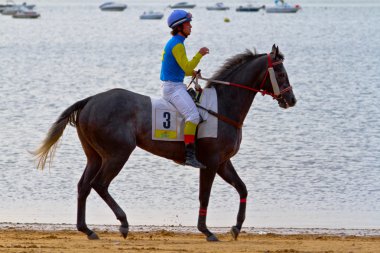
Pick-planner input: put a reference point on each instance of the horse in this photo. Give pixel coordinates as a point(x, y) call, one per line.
point(110, 125)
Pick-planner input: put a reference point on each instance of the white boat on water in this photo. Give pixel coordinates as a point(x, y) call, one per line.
point(24, 12)
point(218, 7)
point(182, 5)
point(112, 6)
point(276, 9)
point(11, 8)
point(152, 15)
point(250, 8)
point(282, 7)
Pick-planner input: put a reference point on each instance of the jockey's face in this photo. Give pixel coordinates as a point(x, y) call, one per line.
point(186, 28)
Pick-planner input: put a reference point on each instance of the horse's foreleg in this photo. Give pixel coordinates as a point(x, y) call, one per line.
point(108, 171)
point(229, 174)
point(207, 177)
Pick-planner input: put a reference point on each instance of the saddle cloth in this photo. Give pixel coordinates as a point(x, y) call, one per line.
point(168, 123)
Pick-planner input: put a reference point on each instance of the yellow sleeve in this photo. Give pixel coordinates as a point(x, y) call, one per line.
point(187, 66)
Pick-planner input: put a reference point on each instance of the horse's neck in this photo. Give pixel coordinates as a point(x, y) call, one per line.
point(235, 102)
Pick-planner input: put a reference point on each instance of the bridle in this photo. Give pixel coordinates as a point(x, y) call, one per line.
point(277, 93)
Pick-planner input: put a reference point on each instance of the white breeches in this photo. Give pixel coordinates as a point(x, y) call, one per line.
point(176, 94)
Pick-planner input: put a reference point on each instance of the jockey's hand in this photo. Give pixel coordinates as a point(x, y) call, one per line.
point(203, 51)
point(197, 73)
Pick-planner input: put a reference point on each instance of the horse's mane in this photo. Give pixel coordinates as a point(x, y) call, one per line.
point(233, 63)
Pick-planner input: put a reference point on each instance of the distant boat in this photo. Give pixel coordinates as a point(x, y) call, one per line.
point(112, 6)
point(7, 5)
point(151, 15)
point(182, 5)
point(24, 12)
point(11, 8)
point(250, 8)
point(218, 7)
point(283, 8)
point(276, 9)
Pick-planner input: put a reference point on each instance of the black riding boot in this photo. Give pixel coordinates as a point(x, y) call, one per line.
point(191, 160)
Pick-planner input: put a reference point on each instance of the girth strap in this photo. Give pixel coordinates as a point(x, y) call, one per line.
point(221, 117)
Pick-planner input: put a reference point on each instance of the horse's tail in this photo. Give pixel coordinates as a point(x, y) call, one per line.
point(47, 149)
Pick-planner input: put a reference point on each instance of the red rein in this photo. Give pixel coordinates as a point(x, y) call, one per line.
point(263, 92)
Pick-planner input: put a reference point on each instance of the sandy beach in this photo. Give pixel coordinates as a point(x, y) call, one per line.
point(19, 239)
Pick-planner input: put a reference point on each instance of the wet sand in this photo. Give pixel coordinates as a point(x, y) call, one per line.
point(18, 239)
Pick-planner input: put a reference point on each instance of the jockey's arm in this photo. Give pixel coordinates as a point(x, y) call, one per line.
point(187, 66)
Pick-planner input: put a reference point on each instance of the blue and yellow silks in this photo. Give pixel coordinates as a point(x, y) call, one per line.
point(175, 64)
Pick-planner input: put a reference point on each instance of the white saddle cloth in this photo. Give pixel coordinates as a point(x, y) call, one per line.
point(168, 123)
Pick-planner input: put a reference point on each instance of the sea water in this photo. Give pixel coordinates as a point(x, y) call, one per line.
point(315, 165)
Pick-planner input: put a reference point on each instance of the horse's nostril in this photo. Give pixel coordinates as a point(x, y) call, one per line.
point(294, 101)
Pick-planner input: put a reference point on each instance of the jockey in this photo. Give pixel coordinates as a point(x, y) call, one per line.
point(175, 66)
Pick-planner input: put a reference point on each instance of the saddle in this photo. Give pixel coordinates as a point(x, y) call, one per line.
point(168, 123)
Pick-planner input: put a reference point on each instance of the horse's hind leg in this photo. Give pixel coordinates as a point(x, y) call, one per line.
point(111, 166)
point(229, 174)
point(84, 188)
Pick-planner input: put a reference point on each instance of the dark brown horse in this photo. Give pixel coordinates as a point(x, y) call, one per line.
point(111, 124)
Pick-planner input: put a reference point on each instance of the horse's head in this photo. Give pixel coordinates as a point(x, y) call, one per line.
point(278, 83)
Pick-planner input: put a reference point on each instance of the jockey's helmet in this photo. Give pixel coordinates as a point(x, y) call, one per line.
point(178, 17)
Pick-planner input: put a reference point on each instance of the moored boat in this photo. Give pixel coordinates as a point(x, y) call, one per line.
point(152, 15)
point(182, 5)
point(218, 7)
point(24, 12)
point(250, 8)
point(282, 7)
point(112, 6)
point(11, 8)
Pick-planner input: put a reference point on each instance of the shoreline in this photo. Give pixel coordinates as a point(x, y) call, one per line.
point(62, 238)
point(193, 229)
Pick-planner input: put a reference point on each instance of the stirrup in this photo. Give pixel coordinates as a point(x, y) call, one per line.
point(191, 160)
point(195, 163)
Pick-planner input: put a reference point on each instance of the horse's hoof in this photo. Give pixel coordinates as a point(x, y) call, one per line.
point(235, 232)
point(93, 236)
point(124, 231)
point(212, 238)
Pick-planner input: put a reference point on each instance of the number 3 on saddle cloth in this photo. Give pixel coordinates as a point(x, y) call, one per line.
point(168, 123)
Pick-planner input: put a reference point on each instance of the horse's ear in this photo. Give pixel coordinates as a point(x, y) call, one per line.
point(277, 52)
point(273, 49)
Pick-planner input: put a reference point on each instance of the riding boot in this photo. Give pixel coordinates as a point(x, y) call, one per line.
point(191, 159)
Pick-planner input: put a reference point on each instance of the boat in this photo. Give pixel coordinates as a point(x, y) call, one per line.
point(3, 6)
point(112, 6)
point(152, 15)
point(11, 8)
point(24, 12)
point(182, 5)
point(218, 7)
point(282, 7)
point(10, 4)
point(277, 9)
point(250, 8)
